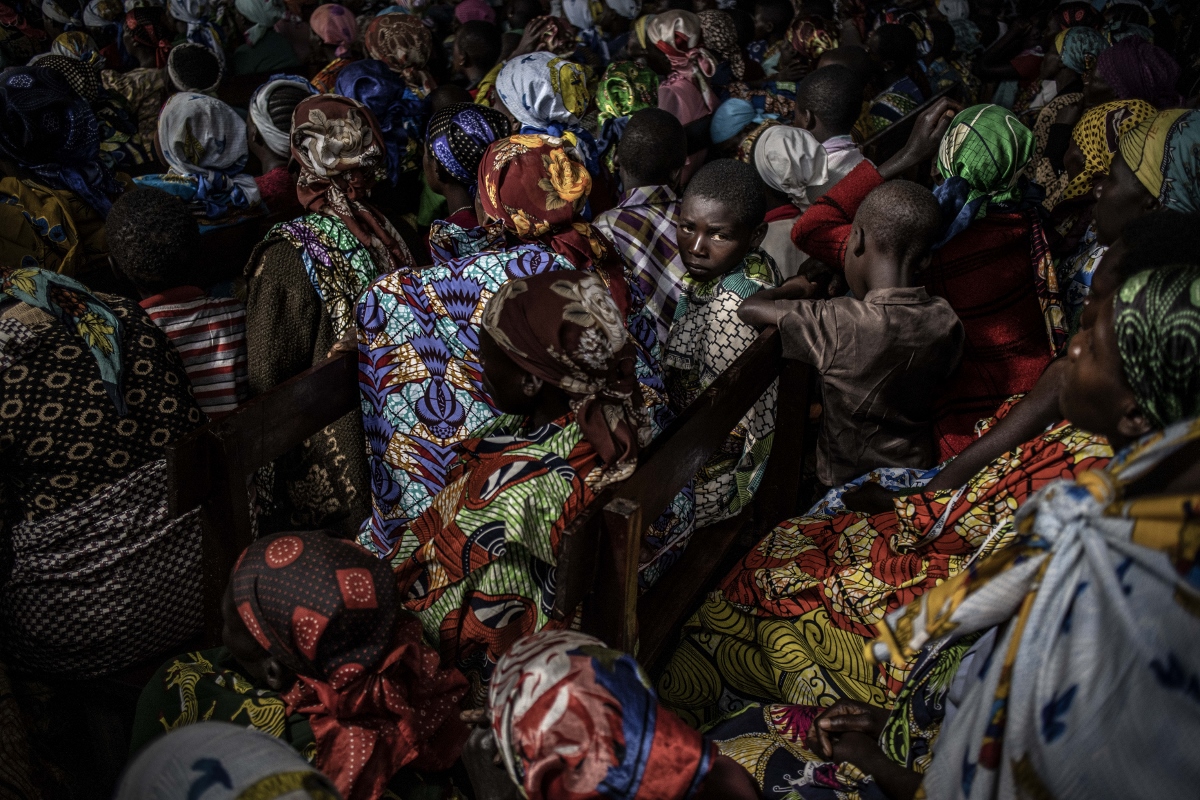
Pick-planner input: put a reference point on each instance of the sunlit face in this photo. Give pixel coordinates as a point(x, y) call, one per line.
point(712, 240)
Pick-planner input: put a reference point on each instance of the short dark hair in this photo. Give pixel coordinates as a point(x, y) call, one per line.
point(152, 238)
point(902, 218)
point(852, 57)
point(778, 13)
point(281, 104)
point(834, 94)
point(897, 44)
point(652, 147)
point(481, 41)
point(943, 38)
point(735, 185)
point(193, 67)
point(447, 95)
point(1159, 239)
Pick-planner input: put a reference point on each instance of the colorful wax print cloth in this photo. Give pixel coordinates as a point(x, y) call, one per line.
point(420, 378)
point(890, 105)
point(478, 566)
point(145, 89)
point(1075, 276)
point(573, 718)
point(706, 337)
point(893, 479)
point(338, 264)
point(789, 623)
point(1094, 612)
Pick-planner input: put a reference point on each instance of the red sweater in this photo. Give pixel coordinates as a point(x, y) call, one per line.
point(988, 276)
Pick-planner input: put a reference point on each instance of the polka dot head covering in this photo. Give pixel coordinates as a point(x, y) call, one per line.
point(373, 691)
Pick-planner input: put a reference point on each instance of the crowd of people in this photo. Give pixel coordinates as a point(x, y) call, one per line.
point(545, 228)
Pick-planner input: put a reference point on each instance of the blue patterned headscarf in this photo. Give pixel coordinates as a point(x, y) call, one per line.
point(732, 116)
point(458, 136)
point(49, 130)
point(401, 112)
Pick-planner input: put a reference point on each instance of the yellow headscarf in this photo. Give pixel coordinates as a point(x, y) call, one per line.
point(1097, 136)
point(1161, 153)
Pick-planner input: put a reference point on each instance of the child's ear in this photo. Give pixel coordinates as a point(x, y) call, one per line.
point(805, 119)
point(759, 234)
point(858, 241)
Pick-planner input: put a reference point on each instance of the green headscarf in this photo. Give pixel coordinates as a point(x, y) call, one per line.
point(1157, 320)
point(984, 151)
point(624, 89)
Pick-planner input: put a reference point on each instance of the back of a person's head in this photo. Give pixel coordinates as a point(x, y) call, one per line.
point(743, 23)
point(901, 218)
point(481, 42)
point(943, 38)
point(447, 95)
point(653, 148)
point(896, 44)
point(282, 104)
point(834, 95)
point(1159, 239)
point(152, 238)
point(852, 57)
point(193, 68)
point(777, 13)
point(735, 185)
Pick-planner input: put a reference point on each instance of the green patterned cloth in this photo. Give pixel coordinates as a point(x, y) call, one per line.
point(1157, 317)
point(706, 337)
point(988, 148)
point(477, 567)
point(338, 264)
point(624, 89)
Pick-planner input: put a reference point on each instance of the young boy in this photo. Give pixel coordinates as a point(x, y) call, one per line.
point(828, 103)
point(882, 358)
point(152, 240)
point(720, 227)
point(650, 157)
point(771, 20)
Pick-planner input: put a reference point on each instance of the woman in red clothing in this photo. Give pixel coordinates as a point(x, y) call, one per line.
point(993, 264)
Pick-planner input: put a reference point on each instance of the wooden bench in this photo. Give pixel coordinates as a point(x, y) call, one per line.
point(212, 466)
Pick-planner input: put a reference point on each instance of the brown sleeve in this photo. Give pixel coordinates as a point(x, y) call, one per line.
point(283, 316)
point(809, 330)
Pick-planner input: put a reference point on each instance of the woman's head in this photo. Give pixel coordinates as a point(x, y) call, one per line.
point(337, 143)
point(532, 185)
point(792, 162)
point(457, 138)
point(205, 139)
point(732, 120)
point(271, 109)
point(262, 15)
point(572, 717)
point(1078, 48)
point(147, 37)
point(50, 131)
point(1134, 366)
point(194, 68)
point(1133, 69)
point(1154, 168)
point(679, 36)
point(720, 36)
point(624, 89)
point(397, 110)
point(811, 37)
point(562, 329)
point(77, 45)
point(404, 44)
point(335, 26)
point(544, 92)
point(1095, 140)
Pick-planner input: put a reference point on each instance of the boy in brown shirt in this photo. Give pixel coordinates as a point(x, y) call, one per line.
point(882, 358)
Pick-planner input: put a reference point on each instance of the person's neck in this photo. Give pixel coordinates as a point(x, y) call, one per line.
point(270, 161)
point(474, 74)
point(776, 199)
point(554, 404)
point(824, 133)
point(630, 182)
point(888, 272)
point(457, 197)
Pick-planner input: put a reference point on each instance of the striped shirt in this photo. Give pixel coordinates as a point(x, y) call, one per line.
point(642, 227)
point(210, 335)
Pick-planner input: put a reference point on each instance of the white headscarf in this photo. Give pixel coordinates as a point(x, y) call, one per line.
point(221, 761)
point(792, 161)
point(954, 9)
point(93, 20)
point(278, 141)
point(52, 9)
point(204, 139)
point(263, 13)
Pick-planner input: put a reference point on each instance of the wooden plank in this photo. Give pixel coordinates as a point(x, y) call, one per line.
point(779, 491)
point(668, 463)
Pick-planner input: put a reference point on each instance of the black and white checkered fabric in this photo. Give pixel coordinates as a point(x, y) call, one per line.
point(107, 583)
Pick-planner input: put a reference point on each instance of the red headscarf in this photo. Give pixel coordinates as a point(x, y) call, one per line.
point(337, 143)
point(564, 328)
point(533, 185)
point(373, 691)
point(144, 26)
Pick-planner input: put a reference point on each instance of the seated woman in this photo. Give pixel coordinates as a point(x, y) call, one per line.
point(144, 87)
point(549, 34)
point(202, 142)
point(1086, 615)
point(50, 146)
point(992, 263)
point(302, 282)
point(477, 567)
point(318, 653)
point(788, 623)
point(264, 50)
point(96, 392)
point(1089, 157)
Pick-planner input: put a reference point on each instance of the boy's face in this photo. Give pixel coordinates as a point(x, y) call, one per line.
point(712, 241)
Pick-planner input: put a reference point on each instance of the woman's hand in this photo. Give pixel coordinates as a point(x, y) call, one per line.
point(925, 139)
point(844, 716)
point(531, 37)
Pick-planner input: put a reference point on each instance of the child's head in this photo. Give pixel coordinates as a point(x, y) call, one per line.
point(772, 17)
point(477, 47)
point(720, 218)
point(894, 227)
point(829, 101)
point(893, 47)
point(153, 239)
point(852, 57)
point(652, 150)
